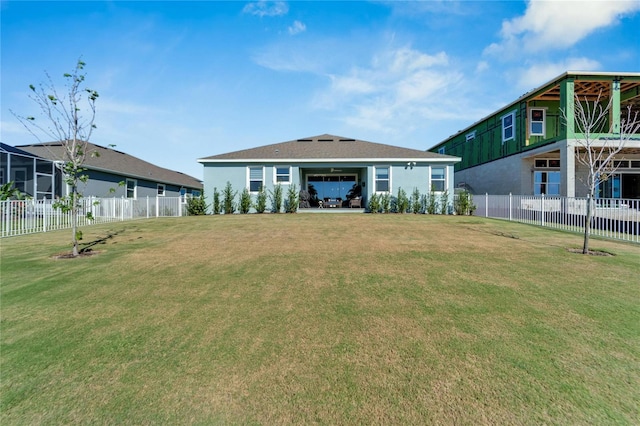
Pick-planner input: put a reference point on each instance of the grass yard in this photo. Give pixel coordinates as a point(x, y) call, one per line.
point(326, 318)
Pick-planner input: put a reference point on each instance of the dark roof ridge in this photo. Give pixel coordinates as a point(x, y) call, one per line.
point(320, 147)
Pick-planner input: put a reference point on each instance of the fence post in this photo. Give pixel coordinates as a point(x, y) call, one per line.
point(147, 207)
point(45, 210)
point(157, 206)
point(180, 207)
point(486, 204)
point(509, 207)
point(542, 210)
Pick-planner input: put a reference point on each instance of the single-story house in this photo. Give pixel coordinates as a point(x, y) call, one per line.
point(333, 169)
point(527, 148)
point(35, 172)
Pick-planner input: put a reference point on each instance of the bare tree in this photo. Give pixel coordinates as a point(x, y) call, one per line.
point(595, 153)
point(69, 119)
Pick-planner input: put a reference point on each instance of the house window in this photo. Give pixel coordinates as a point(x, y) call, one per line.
point(471, 136)
point(547, 183)
point(282, 174)
point(543, 163)
point(441, 150)
point(509, 127)
point(438, 179)
point(382, 179)
point(131, 188)
point(537, 120)
point(256, 178)
point(161, 190)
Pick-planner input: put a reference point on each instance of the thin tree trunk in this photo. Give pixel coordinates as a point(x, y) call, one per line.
point(74, 221)
point(587, 225)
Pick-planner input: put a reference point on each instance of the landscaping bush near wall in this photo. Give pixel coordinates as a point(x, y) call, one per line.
point(228, 202)
point(431, 203)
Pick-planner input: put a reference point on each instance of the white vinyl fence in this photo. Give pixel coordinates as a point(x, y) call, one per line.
point(19, 217)
point(612, 218)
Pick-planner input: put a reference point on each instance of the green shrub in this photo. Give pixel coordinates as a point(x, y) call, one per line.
point(197, 206)
point(402, 202)
point(291, 203)
point(374, 203)
point(228, 199)
point(444, 202)
point(385, 202)
point(463, 203)
point(431, 203)
point(216, 201)
point(245, 201)
point(415, 204)
point(261, 201)
point(423, 203)
point(276, 199)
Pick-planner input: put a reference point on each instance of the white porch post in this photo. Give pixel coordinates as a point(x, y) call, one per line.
point(568, 170)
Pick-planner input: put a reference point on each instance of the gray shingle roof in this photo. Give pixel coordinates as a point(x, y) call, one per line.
point(328, 147)
point(111, 160)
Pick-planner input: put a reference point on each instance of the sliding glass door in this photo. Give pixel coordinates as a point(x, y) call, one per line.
point(330, 186)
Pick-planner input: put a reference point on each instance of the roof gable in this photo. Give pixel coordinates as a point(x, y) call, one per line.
point(326, 147)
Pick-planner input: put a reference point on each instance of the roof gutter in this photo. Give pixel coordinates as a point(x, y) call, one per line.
point(444, 159)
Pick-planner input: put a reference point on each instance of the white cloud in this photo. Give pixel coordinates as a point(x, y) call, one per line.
point(297, 28)
point(400, 90)
point(548, 25)
point(266, 8)
point(540, 73)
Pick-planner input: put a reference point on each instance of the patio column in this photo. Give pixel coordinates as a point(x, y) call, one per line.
point(567, 104)
point(614, 112)
point(568, 169)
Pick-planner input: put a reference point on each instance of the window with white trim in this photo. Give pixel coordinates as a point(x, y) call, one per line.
point(438, 179)
point(509, 127)
point(471, 136)
point(383, 179)
point(131, 188)
point(282, 174)
point(161, 190)
point(255, 177)
point(537, 121)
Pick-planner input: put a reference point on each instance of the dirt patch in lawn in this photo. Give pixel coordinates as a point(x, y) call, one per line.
point(590, 252)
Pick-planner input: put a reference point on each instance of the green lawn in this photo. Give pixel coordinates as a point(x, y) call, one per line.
point(326, 318)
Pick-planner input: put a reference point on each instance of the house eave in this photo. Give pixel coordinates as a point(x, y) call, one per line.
point(135, 176)
point(449, 159)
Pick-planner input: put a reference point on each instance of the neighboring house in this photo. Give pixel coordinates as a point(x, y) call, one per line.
point(34, 171)
point(526, 148)
point(25, 170)
point(333, 169)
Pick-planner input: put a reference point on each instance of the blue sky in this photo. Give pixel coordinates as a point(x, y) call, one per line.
point(183, 80)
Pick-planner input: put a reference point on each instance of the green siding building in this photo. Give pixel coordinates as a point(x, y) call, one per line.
point(527, 148)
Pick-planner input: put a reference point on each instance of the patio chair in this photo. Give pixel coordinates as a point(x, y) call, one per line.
point(355, 202)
